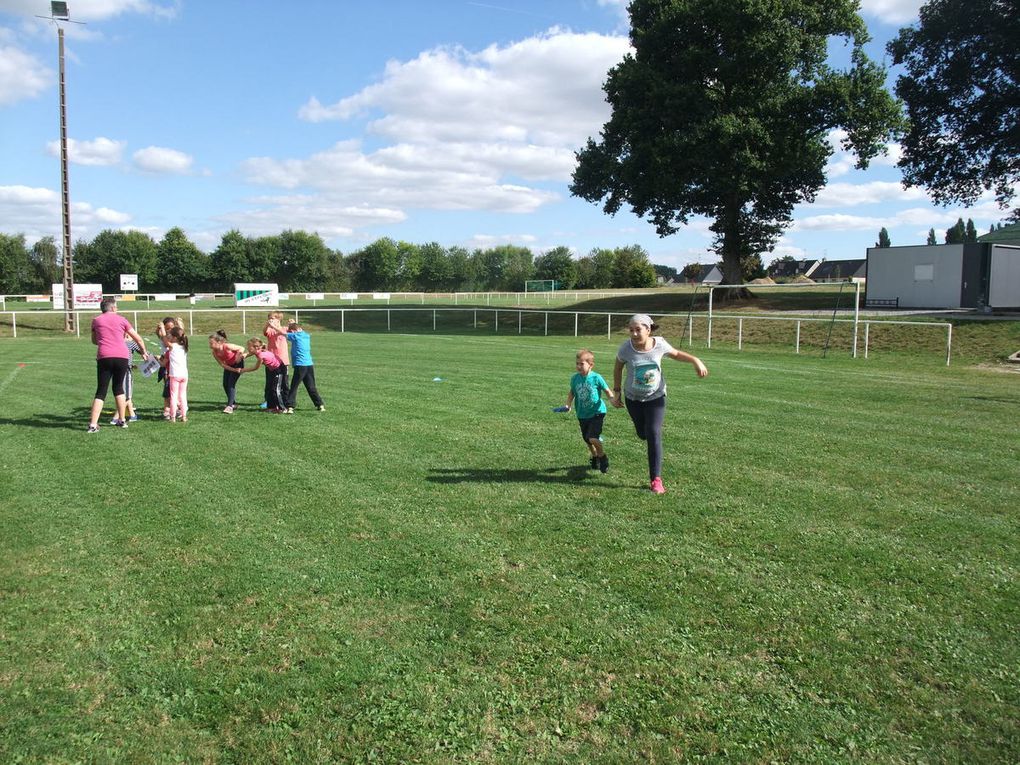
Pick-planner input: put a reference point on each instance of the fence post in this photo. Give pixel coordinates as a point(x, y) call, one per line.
point(387, 319)
point(710, 292)
point(191, 322)
point(14, 322)
point(857, 313)
point(476, 320)
point(690, 331)
point(433, 318)
point(740, 334)
point(609, 326)
point(297, 316)
point(547, 323)
point(497, 321)
point(519, 314)
point(575, 324)
point(244, 322)
point(867, 328)
point(796, 347)
point(949, 343)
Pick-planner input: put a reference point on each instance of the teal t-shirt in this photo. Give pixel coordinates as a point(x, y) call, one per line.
point(588, 394)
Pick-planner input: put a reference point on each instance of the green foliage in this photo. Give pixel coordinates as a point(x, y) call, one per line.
point(962, 93)
point(931, 237)
point(957, 234)
point(112, 253)
point(377, 266)
point(304, 262)
point(16, 272)
point(632, 268)
point(723, 110)
point(180, 265)
point(559, 265)
point(883, 238)
point(47, 264)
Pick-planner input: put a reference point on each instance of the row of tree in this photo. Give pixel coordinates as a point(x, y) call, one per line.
point(301, 262)
point(958, 233)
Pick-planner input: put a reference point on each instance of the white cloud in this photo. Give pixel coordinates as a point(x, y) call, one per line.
point(159, 160)
point(487, 241)
point(270, 215)
point(852, 194)
point(95, 10)
point(22, 75)
point(101, 151)
point(37, 214)
point(892, 11)
point(463, 130)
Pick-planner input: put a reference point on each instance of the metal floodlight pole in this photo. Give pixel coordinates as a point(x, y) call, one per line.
point(59, 12)
point(65, 195)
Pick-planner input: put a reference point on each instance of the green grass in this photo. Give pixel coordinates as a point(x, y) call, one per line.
point(426, 573)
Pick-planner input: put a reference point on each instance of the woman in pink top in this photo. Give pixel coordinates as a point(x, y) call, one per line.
point(231, 358)
point(274, 368)
point(112, 359)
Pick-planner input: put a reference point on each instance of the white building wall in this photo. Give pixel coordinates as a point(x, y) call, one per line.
point(921, 277)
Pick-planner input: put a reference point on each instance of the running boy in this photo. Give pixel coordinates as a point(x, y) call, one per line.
point(304, 371)
point(586, 388)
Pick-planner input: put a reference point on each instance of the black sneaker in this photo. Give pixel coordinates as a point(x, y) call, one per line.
point(604, 463)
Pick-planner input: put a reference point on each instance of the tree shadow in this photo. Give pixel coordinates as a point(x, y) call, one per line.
point(566, 474)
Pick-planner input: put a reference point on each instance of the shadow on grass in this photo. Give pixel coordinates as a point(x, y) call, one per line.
point(566, 474)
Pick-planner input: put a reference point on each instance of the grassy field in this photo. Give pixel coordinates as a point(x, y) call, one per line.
point(427, 571)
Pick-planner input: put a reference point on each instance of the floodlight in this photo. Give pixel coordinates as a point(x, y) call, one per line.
point(58, 10)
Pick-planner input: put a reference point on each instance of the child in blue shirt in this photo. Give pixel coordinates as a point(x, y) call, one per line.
point(301, 364)
point(586, 388)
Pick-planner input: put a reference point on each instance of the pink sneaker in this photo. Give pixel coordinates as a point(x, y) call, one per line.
point(657, 487)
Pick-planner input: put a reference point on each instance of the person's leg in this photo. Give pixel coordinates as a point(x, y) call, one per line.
point(120, 369)
point(636, 411)
point(313, 392)
point(290, 398)
point(182, 393)
point(175, 397)
point(270, 387)
point(284, 384)
point(103, 375)
point(655, 414)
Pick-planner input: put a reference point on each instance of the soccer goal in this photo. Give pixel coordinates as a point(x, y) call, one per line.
point(541, 285)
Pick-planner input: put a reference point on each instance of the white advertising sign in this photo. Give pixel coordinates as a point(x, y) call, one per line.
point(250, 294)
point(87, 297)
point(58, 297)
point(128, 282)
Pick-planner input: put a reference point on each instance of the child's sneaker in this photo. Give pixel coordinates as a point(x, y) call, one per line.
point(228, 410)
point(118, 423)
point(322, 407)
point(133, 418)
point(93, 429)
point(263, 405)
point(604, 463)
point(289, 410)
point(657, 487)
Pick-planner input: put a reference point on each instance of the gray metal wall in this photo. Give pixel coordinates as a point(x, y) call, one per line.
point(903, 272)
point(1004, 277)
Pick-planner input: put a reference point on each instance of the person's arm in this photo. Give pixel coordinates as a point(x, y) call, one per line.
point(258, 363)
point(95, 337)
point(617, 377)
point(139, 342)
point(700, 369)
point(570, 399)
point(610, 392)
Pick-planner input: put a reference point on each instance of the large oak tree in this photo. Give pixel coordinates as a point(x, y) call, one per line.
point(962, 92)
point(724, 109)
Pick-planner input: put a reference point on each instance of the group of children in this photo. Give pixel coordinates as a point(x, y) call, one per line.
point(274, 355)
point(643, 394)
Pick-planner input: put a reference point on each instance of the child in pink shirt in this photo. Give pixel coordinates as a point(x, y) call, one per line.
point(275, 369)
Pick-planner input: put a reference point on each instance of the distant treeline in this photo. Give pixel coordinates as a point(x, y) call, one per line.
point(299, 261)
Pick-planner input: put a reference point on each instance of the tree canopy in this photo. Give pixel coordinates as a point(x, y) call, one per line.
point(962, 96)
point(724, 110)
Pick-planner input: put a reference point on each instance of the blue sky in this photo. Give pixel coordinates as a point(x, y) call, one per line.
point(423, 120)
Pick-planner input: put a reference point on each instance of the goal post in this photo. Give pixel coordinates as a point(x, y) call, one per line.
point(541, 285)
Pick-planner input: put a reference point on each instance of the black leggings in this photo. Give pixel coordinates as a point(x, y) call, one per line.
point(107, 370)
point(307, 376)
point(230, 383)
point(647, 417)
point(274, 392)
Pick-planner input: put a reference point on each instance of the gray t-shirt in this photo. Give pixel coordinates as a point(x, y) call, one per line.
point(644, 370)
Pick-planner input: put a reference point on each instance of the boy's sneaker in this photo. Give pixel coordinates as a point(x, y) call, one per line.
point(657, 487)
point(228, 410)
point(594, 462)
point(322, 407)
point(263, 405)
point(133, 418)
point(93, 429)
point(289, 410)
point(118, 423)
point(604, 463)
